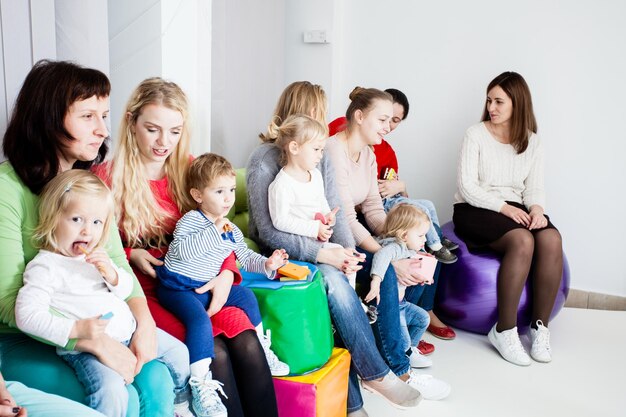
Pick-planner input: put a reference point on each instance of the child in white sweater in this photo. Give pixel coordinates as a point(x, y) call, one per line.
point(296, 198)
point(72, 290)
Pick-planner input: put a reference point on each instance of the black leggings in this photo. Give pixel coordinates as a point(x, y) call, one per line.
point(241, 366)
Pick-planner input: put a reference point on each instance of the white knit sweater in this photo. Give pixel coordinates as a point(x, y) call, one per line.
point(490, 172)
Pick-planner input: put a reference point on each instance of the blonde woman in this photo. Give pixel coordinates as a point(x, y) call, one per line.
point(146, 176)
point(302, 97)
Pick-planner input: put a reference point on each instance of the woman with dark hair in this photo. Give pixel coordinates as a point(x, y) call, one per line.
point(500, 204)
point(59, 123)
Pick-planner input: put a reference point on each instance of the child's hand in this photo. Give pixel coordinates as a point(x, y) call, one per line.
point(91, 328)
point(332, 216)
point(278, 259)
point(220, 223)
point(100, 259)
point(374, 290)
point(324, 232)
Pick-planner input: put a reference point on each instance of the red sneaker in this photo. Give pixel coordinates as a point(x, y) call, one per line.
point(425, 348)
point(445, 332)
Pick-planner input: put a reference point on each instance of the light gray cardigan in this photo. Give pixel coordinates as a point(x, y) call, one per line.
point(262, 168)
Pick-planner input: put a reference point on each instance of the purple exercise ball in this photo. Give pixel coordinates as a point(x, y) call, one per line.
point(466, 293)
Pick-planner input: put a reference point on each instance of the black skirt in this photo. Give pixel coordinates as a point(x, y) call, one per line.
point(480, 227)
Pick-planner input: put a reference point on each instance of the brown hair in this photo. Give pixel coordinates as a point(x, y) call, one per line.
point(400, 219)
point(300, 97)
point(363, 99)
point(36, 131)
point(206, 168)
point(523, 121)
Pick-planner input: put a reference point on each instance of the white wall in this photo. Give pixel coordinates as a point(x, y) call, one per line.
point(164, 38)
point(247, 73)
point(571, 54)
point(443, 55)
point(27, 34)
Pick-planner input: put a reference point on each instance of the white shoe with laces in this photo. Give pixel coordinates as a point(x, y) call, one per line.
point(182, 410)
point(430, 388)
point(206, 400)
point(277, 367)
point(540, 350)
point(509, 345)
point(418, 360)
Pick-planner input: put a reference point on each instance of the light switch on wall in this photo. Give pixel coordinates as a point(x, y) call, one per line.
point(316, 36)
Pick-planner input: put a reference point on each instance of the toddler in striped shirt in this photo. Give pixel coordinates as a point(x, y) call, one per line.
point(190, 286)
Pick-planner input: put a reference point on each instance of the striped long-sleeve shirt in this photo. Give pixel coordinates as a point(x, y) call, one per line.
point(198, 249)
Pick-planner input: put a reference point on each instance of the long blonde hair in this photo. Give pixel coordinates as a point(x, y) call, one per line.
point(57, 196)
point(141, 219)
point(300, 97)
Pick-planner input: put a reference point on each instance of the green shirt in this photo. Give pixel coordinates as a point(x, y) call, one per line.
point(19, 214)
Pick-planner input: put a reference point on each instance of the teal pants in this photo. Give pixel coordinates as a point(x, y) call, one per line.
point(37, 366)
point(41, 404)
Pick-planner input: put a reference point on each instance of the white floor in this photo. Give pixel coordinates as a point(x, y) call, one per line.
point(587, 376)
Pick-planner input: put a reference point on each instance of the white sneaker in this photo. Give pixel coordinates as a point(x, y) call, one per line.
point(394, 390)
point(206, 401)
point(418, 360)
point(509, 346)
point(182, 410)
point(430, 388)
point(540, 350)
point(277, 368)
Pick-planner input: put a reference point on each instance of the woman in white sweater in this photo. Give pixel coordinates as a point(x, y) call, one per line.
point(500, 204)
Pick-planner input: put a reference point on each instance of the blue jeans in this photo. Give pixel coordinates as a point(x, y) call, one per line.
point(433, 236)
point(387, 331)
point(414, 320)
point(106, 389)
point(191, 309)
point(41, 404)
point(354, 331)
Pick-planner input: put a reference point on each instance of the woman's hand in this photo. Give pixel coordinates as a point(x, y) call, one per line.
point(144, 341)
point(112, 354)
point(389, 188)
point(220, 288)
point(8, 404)
point(145, 262)
point(374, 290)
point(537, 218)
point(345, 260)
point(519, 216)
point(119, 358)
point(407, 272)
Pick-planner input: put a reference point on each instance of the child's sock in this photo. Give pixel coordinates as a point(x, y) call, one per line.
point(435, 246)
point(200, 369)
